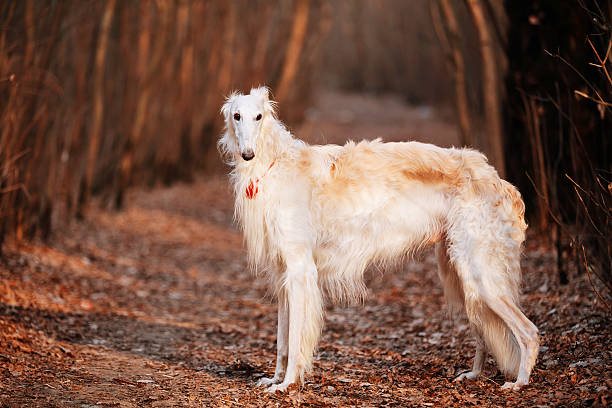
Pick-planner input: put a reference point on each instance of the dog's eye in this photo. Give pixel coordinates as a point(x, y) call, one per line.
point(237, 116)
point(258, 117)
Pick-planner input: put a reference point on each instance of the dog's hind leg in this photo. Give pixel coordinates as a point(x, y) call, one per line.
point(479, 360)
point(305, 307)
point(453, 292)
point(282, 338)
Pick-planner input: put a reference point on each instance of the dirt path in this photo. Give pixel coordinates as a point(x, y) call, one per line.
point(153, 306)
point(337, 117)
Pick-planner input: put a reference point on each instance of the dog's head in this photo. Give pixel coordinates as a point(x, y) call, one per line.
point(245, 116)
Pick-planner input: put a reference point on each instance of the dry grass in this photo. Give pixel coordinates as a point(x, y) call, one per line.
point(562, 86)
point(96, 96)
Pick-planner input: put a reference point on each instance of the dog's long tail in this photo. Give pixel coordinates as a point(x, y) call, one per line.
point(498, 338)
point(462, 294)
point(496, 332)
point(487, 228)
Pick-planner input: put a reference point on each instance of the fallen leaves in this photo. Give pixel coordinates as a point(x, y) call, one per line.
point(105, 316)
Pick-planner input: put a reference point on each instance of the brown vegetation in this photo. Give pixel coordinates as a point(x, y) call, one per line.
point(560, 118)
point(96, 96)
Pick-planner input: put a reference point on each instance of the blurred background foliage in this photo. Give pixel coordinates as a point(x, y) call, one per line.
point(100, 95)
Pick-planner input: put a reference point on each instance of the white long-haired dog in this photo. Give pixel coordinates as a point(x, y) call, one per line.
point(314, 217)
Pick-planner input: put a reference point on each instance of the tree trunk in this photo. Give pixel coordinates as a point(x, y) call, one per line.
point(541, 182)
point(294, 49)
point(490, 86)
point(455, 56)
point(98, 103)
point(225, 73)
point(143, 87)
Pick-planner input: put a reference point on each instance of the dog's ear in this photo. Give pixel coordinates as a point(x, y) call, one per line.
point(262, 92)
point(227, 106)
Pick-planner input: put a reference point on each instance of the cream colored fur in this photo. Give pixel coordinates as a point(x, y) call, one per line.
point(321, 215)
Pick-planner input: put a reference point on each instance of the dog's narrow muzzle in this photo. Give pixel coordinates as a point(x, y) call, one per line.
point(248, 155)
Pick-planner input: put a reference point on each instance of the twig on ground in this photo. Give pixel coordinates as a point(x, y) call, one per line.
point(588, 270)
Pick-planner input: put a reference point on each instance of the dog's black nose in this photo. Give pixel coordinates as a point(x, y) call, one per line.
point(248, 155)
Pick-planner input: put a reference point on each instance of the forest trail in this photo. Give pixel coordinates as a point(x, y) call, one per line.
point(154, 306)
point(336, 117)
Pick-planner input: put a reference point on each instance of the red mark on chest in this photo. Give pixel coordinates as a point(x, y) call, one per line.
point(252, 189)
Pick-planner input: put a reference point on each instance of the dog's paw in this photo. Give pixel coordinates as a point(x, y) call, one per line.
point(264, 382)
point(514, 386)
point(282, 387)
point(470, 375)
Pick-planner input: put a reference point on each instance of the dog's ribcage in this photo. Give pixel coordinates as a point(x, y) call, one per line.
point(348, 214)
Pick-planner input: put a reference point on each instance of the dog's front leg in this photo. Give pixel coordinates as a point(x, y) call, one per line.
point(282, 339)
point(305, 317)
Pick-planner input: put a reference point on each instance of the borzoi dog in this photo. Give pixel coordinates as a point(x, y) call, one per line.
point(314, 218)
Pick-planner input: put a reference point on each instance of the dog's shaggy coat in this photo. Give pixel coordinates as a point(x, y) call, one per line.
point(314, 218)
